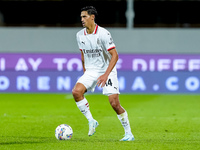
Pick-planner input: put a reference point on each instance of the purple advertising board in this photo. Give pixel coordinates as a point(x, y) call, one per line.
point(137, 73)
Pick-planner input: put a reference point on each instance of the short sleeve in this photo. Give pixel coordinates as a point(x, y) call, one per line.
point(107, 40)
point(78, 42)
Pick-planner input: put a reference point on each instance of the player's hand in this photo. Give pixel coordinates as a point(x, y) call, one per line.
point(101, 81)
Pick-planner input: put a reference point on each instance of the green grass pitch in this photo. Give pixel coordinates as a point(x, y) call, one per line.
point(158, 122)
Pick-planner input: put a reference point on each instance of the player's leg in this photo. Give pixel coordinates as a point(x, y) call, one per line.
point(112, 90)
point(81, 102)
point(122, 116)
point(78, 92)
point(114, 102)
point(83, 105)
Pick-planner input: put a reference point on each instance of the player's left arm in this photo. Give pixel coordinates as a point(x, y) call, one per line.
point(101, 81)
point(83, 63)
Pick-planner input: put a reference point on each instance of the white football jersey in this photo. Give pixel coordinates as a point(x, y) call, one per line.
point(95, 48)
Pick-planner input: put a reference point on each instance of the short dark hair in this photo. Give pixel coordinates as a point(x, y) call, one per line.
point(91, 10)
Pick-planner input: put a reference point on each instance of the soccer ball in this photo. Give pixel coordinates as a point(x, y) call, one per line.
point(63, 132)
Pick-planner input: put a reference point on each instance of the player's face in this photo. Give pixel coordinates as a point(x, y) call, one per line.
point(86, 19)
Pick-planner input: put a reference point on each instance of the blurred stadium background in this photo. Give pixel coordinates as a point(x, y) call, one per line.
point(157, 38)
point(158, 66)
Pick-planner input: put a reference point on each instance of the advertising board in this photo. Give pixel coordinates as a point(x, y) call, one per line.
point(137, 73)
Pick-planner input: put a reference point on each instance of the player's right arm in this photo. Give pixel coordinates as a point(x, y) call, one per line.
point(80, 48)
point(82, 59)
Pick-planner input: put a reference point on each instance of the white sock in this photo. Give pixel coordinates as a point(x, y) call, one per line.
point(125, 122)
point(83, 105)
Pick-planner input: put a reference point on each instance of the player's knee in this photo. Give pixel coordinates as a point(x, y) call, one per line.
point(76, 93)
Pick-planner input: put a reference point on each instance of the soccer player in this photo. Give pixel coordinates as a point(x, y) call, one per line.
point(99, 57)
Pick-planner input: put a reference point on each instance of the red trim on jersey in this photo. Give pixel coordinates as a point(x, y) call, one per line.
point(111, 48)
point(95, 31)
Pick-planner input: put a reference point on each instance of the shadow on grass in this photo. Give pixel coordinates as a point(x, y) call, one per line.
point(10, 140)
point(94, 140)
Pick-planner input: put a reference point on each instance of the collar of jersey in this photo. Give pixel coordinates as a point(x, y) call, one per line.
point(94, 32)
